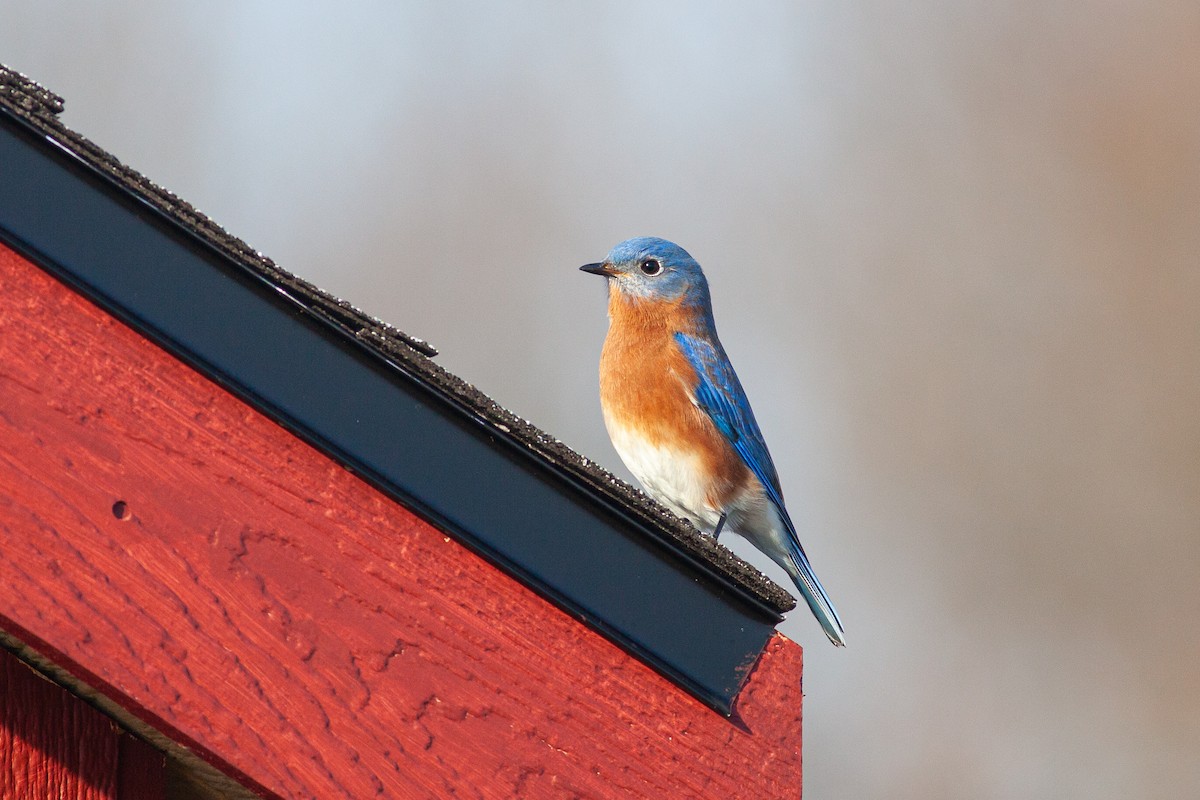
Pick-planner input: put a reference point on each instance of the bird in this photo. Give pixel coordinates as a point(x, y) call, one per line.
point(678, 416)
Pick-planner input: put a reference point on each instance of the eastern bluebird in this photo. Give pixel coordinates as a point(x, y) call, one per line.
point(678, 417)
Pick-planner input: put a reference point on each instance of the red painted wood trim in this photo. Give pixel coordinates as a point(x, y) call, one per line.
point(253, 600)
point(52, 744)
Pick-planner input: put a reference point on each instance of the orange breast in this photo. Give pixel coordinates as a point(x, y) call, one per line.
point(647, 384)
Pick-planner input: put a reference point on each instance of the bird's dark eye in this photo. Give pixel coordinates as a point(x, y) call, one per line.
point(651, 267)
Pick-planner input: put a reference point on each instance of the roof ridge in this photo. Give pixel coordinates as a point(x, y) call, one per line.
point(39, 108)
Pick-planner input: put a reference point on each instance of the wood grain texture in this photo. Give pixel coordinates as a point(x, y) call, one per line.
point(261, 605)
point(54, 745)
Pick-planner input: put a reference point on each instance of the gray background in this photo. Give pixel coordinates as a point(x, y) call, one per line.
point(953, 253)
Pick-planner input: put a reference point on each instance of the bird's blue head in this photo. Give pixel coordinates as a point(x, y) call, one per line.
point(650, 268)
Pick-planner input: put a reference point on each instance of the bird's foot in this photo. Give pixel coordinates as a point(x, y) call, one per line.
point(720, 525)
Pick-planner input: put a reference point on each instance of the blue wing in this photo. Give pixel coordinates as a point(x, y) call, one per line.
point(720, 395)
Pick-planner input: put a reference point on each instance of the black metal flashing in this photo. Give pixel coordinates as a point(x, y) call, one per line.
point(371, 397)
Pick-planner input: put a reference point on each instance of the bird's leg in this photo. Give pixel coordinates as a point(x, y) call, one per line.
point(720, 524)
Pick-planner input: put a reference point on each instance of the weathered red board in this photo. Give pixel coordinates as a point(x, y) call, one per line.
point(251, 599)
point(54, 745)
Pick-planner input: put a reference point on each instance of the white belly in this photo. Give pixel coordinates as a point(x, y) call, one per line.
point(672, 477)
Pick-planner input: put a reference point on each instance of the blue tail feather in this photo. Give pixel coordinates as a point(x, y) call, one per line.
point(814, 593)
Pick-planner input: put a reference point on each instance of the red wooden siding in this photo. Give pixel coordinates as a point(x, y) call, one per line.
point(251, 599)
point(54, 745)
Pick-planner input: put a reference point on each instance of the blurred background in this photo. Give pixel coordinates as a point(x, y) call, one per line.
point(953, 252)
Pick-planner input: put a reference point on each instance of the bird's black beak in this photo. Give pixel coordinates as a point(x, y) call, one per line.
point(602, 268)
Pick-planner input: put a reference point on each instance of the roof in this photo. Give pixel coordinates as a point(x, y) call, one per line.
point(553, 519)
